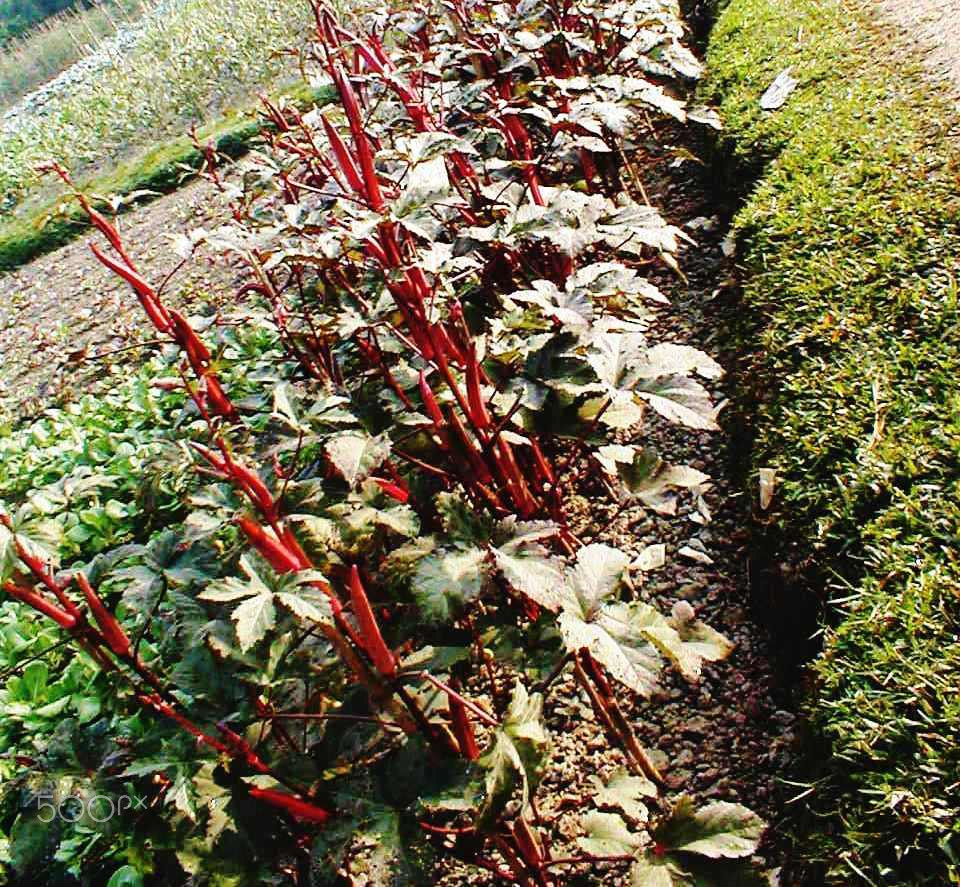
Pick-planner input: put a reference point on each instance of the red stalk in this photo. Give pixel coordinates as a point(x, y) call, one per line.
point(239, 746)
point(115, 636)
point(361, 143)
point(274, 552)
point(190, 342)
point(478, 407)
point(477, 464)
point(463, 729)
point(515, 482)
point(290, 540)
point(393, 490)
point(41, 572)
point(256, 489)
point(546, 471)
point(32, 599)
point(380, 654)
point(168, 711)
point(218, 399)
point(293, 805)
point(344, 160)
point(155, 311)
point(430, 402)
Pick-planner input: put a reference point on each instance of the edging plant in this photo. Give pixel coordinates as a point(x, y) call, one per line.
point(451, 262)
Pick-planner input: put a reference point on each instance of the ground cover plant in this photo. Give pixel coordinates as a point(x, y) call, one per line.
point(849, 244)
point(319, 640)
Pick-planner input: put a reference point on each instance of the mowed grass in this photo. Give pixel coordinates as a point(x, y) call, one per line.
point(39, 55)
point(850, 246)
point(188, 64)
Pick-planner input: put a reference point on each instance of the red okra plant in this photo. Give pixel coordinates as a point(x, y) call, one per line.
point(452, 261)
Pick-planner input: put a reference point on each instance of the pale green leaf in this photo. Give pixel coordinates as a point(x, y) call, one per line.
point(608, 835)
point(355, 454)
point(254, 617)
point(624, 791)
point(444, 582)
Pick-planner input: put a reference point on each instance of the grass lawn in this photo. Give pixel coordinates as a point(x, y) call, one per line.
point(850, 247)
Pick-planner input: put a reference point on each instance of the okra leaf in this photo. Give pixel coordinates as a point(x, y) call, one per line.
point(253, 618)
point(717, 830)
point(680, 400)
point(624, 792)
point(608, 835)
point(529, 567)
point(597, 574)
point(647, 477)
point(516, 756)
point(446, 581)
point(611, 639)
point(657, 871)
point(355, 454)
point(570, 308)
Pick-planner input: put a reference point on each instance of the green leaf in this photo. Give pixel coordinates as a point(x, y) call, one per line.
point(529, 567)
point(682, 401)
point(87, 708)
point(616, 644)
point(624, 791)
point(229, 589)
point(655, 871)
point(283, 407)
point(35, 679)
point(444, 582)
point(608, 835)
point(698, 637)
point(180, 794)
point(308, 603)
point(461, 521)
point(515, 757)
point(570, 308)
point(597, 574)
point(254, 617)
point(212, 798)
point(126, 876)
point(720, 830)
point(687, 650)
point(644, 475)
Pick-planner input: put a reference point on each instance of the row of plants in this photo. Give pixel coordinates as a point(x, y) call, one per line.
point(52, 219)
point(188, 61)
point(328, 650)
point(849, 246)
point(42, 52)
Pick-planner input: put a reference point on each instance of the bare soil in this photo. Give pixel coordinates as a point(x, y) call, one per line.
point(63, 316)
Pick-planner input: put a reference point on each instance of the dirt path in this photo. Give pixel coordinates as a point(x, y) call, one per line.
point(62, 314)
point(932, 27)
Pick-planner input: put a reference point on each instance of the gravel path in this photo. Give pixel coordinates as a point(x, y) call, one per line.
point(932, 27)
